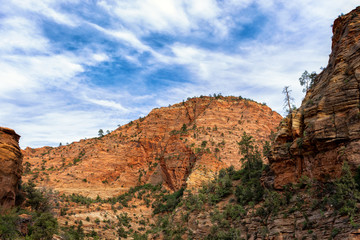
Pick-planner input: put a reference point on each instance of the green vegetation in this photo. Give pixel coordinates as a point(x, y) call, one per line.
point(101, 133)
point(219, 188)
point(27, 166)
point(250, 190)
point(242, 194)
point(307, 80)
point(168, 202)
point(346, 194)
point(8, 228)
point(44, 224)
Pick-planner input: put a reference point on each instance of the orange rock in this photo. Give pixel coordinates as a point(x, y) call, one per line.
point(10, 167)
point(181, 145)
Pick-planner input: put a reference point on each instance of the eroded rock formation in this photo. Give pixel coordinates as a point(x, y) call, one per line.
point(10, 167)
point(325, 131)
point(181, 145)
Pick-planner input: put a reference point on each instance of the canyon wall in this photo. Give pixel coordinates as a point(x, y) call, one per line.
point(10, 167)
point(324, 132)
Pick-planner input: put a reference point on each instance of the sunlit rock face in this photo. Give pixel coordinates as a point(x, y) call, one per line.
point(325, 131)
point(10, 167)
point(178, 146)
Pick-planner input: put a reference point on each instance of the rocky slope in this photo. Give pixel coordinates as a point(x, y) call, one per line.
point(10, 167)
point(325, 131)
point(310, 151)
point(181, 145)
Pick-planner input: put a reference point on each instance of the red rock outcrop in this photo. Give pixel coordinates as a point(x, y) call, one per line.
point(10, 167)
point(325, 131)
point(180, 145)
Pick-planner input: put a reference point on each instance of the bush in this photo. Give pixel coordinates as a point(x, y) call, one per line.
point(234, 212)
point(219, 188)
point(35, 198)
point(44, 227)
point(8, 225)
point(168, 202)
point(250, 189)
point(228, 234)
point(123, 220)
point(346, 194)
point(70, 233)
point(194, 202)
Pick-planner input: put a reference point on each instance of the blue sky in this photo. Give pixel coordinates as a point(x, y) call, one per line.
point(71, 67)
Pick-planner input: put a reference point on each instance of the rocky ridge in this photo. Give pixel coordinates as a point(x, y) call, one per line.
point(324, 132)
point(10, 167)
point(181, 145)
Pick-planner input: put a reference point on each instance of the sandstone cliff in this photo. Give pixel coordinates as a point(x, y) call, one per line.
point(181, 145)
point(325, 131)
point(10, 167)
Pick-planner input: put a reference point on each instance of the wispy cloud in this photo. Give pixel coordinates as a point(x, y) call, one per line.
point(69, 68)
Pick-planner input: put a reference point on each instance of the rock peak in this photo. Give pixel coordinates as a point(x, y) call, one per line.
point(180, 145)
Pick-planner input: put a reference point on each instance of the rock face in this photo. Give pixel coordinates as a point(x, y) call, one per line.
point(325, 131)
point(287, 224)
point(10, 167)
point(181, 145)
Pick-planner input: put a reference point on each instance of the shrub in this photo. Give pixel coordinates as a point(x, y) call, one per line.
point(219, 188)
point(217, 234)
point(168, 202)
point(123, 220)
point(8, 225)
point(35, 198)
point(250, 189)
point(44, 227)
point(346, 194)
point(234, 212)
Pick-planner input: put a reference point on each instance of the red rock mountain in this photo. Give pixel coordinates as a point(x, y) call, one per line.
point(181, 145)
point(10, 167)
point(325, 131)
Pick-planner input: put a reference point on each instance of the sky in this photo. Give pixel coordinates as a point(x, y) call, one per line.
point(71, 67)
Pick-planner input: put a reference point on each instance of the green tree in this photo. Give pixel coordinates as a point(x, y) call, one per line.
point(246, 145)
point(307, 80)
point(35, 198)
point(101, 133)
point(346, 194)
point(27, 167)
point(8, 228)
point(122, 233)
point(184, 128)
point(44, 227)
point(250, 189)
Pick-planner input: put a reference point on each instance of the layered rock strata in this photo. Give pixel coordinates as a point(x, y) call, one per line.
point(324, 132)
point(10, 167)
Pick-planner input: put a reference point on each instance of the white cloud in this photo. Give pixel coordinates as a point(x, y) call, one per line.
point(107, 103)
point(60, 125)
point(46, 94)
point(170, 16)
point(125, 36)
point(49, 9)
point(18, 33)
point(100, 57)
